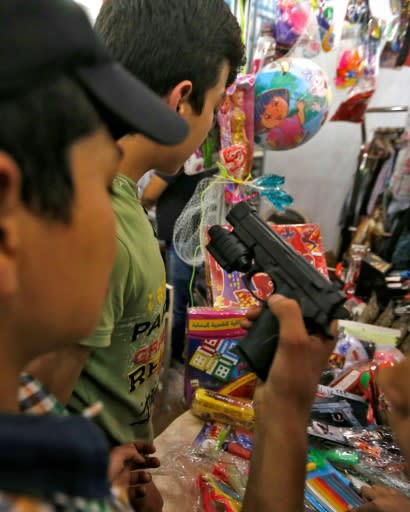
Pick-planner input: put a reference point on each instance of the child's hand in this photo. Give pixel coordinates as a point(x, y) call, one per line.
point(383, 499)
point(146, 498)
point(127, 458)
point(299, 360)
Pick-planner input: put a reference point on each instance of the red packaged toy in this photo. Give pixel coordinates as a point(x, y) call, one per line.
point(229, 290)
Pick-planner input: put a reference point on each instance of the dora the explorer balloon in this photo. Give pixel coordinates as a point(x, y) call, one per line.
point(284, 130)
point(292, 99)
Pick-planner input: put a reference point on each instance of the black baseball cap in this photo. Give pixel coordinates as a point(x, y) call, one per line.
point(41, 39)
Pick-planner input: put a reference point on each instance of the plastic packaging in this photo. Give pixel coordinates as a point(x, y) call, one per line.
point(211, 406)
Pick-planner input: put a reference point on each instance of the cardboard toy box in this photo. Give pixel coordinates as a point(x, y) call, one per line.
point(229, 290)
point(211, 362)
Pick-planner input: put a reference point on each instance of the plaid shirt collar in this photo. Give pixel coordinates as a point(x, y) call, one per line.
point(36, 399)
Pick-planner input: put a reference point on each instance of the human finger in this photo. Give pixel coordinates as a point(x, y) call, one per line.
point(369, 493)
point(146, 448)
point(149, 463)
point(139, 478)
point(289, 315)
point(253, 313)
point(367, 507)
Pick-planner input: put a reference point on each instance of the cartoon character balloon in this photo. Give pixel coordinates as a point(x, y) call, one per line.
point(292, 99)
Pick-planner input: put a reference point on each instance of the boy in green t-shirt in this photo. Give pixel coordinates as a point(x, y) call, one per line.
point(188, 52)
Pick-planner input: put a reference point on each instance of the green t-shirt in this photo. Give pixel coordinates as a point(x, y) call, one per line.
point(128, 346)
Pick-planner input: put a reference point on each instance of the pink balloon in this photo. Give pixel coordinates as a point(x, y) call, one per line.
point(298, 17)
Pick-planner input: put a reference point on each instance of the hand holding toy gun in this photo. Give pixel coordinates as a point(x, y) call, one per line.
point(252, 247)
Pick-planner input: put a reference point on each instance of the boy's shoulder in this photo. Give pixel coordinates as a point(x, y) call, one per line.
point(74, 455)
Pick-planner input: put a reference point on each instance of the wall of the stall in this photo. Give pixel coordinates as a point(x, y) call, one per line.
point(319, 173)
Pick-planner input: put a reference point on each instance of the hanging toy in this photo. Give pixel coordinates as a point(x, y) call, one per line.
point(350, 68)
point(234, 159)
point(211, 203)
point(292, 18)
point(235, 118)
point(292, 99)
point(325, 19)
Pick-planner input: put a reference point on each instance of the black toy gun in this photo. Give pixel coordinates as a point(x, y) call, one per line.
point(253, 247)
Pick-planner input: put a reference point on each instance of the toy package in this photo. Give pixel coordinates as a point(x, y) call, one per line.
point(334, 408)
point(229, 290)
point(211, 406)
point(214, 437)
point(348, 352)
point(211, 362)
point(327, 490)
point(354, 107)
point(235, 119)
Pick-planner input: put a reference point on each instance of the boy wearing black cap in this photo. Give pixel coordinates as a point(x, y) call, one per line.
point(187, 51)
point(58, 88)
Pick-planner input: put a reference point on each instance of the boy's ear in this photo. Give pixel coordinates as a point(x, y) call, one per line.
point(9, 207)
point(178, 98)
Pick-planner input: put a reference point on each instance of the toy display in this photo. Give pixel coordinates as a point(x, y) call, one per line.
point(281, 106)
point(292, 99)
point(211, 361)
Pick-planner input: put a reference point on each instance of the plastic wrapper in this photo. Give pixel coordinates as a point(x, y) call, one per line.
point(335, 410)
point(207, 476)
point(330, 14)
point(380, 458)
point(350, 67)
point(371, 454)
point(214, 437)
point(354, 107)
point(265, 49)
point(348, 351)
point(279, 37)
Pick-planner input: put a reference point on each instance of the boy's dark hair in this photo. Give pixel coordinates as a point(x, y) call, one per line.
point(37, 130)
point(163, 42)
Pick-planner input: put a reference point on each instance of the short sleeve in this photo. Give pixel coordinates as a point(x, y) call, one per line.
point(170, 179)
point(114, 302)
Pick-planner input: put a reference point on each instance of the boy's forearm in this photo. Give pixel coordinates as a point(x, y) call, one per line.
point(278, 466)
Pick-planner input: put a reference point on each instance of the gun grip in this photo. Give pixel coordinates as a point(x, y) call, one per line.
point(259, 346)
